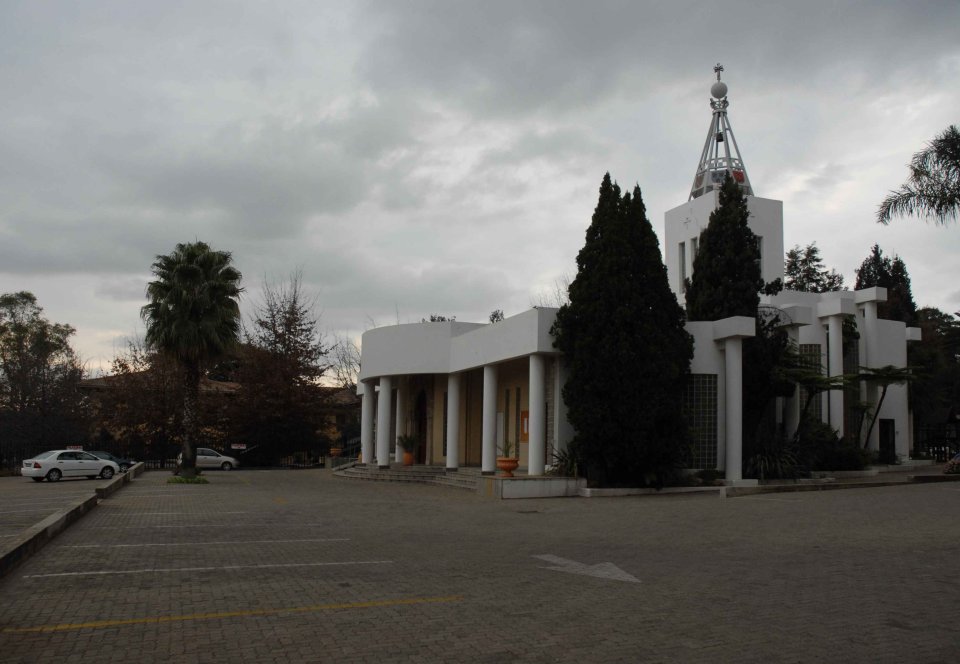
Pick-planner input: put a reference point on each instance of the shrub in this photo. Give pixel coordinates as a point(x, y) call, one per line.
point(773, 458)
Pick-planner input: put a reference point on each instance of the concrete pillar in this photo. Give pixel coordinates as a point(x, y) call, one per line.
point(488, 461)
point(401, 419)
point(383, 422)
point(835, 345)
point(733, 386)
point(537, 449)
point(453, 421)
point(366, 422)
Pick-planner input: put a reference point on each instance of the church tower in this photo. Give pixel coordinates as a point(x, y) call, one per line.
point(684, 223)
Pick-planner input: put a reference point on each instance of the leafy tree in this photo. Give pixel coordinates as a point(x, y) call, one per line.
point(140, 405)
point(890, 273)
point(40, 404)
point(496, 316)
point(726, 271)
point(804, 271)
point(628, 354)
point(279, 407)
point(438, 318)
point(936, 358)
point(193, 315)
point(933, 188)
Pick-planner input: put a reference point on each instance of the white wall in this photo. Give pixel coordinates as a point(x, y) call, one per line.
point(685, 222)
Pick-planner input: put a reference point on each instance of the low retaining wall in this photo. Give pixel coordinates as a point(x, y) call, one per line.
point(507, 488)
point(34, 539)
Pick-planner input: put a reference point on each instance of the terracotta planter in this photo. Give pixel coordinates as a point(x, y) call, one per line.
point(407, 458)
point(506, 466)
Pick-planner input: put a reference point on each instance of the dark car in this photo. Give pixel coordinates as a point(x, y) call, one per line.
point(123, 463)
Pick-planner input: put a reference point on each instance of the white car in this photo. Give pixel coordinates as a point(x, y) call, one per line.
point(56, 464)
point(207, 458)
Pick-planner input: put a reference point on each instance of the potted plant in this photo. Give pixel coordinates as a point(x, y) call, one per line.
point(409, 445)
point(506, 462)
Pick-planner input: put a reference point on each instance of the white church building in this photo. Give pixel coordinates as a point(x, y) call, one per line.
point(463, 389)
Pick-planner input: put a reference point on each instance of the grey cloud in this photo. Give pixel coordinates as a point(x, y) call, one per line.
point(546, 57)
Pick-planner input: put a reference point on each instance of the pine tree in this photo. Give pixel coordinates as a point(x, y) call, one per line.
point(726, 271)
point(890, 273)
point(628, 354)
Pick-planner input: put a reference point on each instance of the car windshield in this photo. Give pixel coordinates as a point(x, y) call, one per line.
point(102, 455)
point(44, 455)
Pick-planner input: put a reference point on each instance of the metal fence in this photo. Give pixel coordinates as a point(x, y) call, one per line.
point(935, 441)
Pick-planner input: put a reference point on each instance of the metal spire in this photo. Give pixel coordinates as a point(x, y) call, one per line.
point(720, 152)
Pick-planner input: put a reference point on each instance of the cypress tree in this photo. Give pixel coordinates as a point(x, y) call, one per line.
point(628, 354)
point(726, 270)
point(879, 270)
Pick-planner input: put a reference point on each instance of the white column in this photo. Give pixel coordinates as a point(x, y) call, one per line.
point(869, 338)
point(401, 418)
point(488, 460)
point(366, 422)
point(733, 386)
point(835, 344)
point(537, 449)
point(453, 421)
point(869, 391)
point(383, 422)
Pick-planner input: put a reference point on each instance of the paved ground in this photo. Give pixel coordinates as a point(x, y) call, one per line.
point(278, 566)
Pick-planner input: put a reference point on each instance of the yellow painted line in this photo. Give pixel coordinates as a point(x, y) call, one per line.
point(159, 620)
point(280, 500)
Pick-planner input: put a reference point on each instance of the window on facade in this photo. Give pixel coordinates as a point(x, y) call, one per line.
point(506, 414)
point(694, 248)
point(700, 411)
point(516, 429)
point(445, 417)
point(760, 248)
point(810, 357)
point(683, 264)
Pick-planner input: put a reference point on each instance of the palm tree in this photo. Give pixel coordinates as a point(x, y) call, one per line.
point(193, 316)
point(883, 377)
point(933, 188)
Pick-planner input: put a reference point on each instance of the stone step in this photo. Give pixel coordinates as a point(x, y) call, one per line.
point(419, 474)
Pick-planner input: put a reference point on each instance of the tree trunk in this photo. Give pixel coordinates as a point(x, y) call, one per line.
point(191, 394)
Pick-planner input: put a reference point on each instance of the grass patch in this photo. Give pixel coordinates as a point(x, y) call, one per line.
point(176, 479)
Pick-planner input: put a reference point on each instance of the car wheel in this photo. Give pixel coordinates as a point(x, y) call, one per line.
point(54, 475)
point(37, 479)
point(226, 466)
point(124, 467)
point(106, 473)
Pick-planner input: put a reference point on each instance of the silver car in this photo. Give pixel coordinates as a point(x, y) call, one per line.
point(207, 458)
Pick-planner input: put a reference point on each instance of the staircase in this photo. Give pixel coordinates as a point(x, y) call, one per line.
point(464, 478)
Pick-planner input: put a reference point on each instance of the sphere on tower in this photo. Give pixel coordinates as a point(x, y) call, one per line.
point(718, 90)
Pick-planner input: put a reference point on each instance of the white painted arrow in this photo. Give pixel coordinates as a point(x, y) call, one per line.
point(600, 570)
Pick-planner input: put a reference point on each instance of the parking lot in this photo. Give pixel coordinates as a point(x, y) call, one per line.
point(300, 566)
point(24, 503)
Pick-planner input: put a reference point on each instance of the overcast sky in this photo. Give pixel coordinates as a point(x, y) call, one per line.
point(440, 157)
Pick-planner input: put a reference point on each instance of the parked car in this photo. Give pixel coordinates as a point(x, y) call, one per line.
point(124, 464)
point(207, 458)
point(56, 464)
